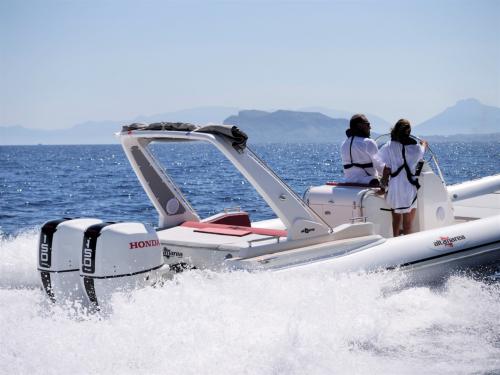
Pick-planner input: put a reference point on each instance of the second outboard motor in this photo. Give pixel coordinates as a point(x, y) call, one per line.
point(59, 254)
point(117, 257)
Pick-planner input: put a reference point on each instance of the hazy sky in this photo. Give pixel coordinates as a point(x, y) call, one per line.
point(65, 62)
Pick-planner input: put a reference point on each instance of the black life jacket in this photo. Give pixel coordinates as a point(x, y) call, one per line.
point(351, 134)
point(412, 178)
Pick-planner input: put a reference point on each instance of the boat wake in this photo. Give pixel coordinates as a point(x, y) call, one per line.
point(259, 323)
point(19, 260)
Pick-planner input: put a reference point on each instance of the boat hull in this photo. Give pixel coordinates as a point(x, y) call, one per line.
point(425, 257)
point(481, 261)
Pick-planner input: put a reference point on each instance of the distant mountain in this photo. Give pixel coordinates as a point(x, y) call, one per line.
point(93, 132)
point(289, 126)
point(490, 137)
point(379, 125)
point(101, 132)
point(467, 116)
point(18, 135)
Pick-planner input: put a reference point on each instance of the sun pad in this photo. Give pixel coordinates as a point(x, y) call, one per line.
point(232, 230)
point(224, 231)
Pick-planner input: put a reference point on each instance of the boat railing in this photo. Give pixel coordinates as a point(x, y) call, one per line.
point(252, 242)
point(358, 219)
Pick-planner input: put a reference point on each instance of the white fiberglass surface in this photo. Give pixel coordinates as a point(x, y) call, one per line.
point(263, 323)
point(483, 206)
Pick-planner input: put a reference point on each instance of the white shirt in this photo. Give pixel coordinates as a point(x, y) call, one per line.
point(401, 193)
point(363, 151)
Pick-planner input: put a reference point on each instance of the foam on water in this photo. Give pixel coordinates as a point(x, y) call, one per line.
point(19, 260)
point(203, 322)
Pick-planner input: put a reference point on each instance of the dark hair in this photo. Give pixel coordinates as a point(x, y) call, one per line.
point(401, 130)
point(358, 119)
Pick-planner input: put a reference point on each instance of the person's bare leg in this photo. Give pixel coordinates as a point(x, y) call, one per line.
point(408, 220)
point(396, 224)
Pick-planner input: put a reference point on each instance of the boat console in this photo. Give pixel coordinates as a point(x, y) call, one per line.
point(341, 203)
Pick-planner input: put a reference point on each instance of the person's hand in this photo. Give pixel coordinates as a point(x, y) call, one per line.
point(380, 191)
point(424, 143)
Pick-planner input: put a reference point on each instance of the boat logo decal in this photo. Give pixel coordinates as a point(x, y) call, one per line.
point(448, 241)
point(88, 256)
point(142, 244)
point(167, 253)
point(307, 230)
point(44, 252)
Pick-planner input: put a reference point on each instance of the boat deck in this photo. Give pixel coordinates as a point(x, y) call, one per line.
point(478, 207)
point(216, 236)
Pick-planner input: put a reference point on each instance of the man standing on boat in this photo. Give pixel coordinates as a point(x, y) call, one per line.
point(360, 153)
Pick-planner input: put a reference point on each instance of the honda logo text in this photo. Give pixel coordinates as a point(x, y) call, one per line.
point(143, 244)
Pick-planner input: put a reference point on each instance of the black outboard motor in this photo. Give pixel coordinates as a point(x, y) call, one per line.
point(59, 253)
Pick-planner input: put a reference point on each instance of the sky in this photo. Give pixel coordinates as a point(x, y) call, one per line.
point(68, 62)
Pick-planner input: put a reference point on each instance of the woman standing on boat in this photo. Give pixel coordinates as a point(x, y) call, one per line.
point(401, 156)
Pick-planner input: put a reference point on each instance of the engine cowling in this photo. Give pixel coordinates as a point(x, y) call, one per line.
point(59, 253)
point(117, 257)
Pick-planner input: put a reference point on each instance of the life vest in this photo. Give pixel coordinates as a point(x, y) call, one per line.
point(412, 178)
point(358, 165)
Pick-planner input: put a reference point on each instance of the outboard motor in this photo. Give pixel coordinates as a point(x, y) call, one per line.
point(119, 256)
point(59, 254)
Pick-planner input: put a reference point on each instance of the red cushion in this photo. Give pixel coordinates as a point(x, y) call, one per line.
point(216, 229)
point(240, 219)
point(224, 231)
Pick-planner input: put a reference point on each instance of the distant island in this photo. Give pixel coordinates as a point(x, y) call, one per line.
point(466, 120)
point(289, 126)
point(467, 116)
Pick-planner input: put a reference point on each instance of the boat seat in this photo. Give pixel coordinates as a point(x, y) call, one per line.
point(240, 218)
point(214, 236)
point(232, 230)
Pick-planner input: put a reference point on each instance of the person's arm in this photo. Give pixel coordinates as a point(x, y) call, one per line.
point(417, 151)
point(372, 150)
point(384, 180)
point(423, 146)
point(385, 177)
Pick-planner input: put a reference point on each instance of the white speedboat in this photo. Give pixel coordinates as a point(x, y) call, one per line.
point(344, 227)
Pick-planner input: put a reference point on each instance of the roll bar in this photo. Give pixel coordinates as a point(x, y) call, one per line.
point(173, 208)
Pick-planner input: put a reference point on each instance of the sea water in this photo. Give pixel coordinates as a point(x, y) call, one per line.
point(228, 323)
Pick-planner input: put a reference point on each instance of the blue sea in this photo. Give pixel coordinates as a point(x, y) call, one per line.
point(39, 183)
point(228, 323)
